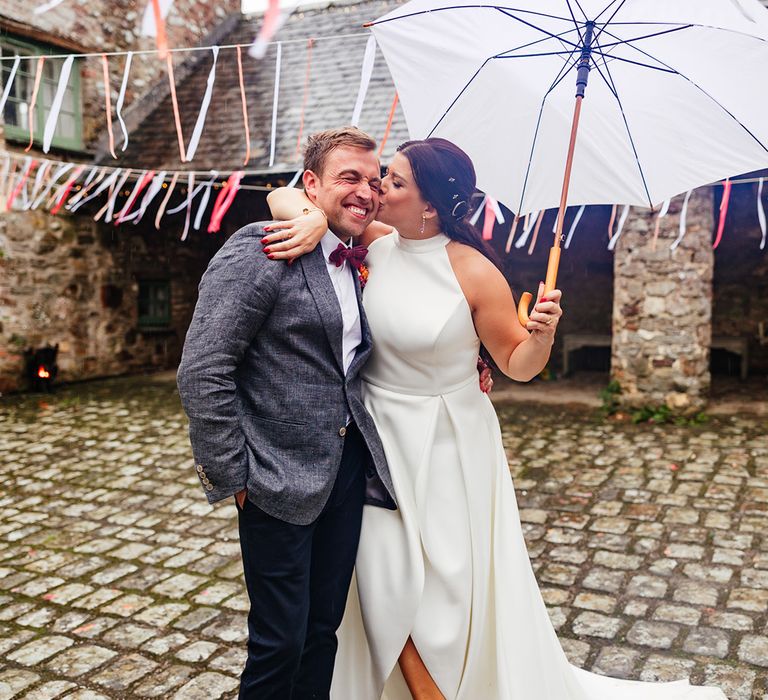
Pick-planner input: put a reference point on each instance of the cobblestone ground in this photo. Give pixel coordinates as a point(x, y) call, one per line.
point(117, 580)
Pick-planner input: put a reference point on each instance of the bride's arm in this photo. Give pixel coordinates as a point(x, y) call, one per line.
point(521, 353)
point(303, 226)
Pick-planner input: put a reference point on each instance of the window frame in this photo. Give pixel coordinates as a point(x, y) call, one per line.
point(149, 321)
point(20, 134)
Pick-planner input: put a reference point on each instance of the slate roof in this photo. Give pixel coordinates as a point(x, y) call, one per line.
point(336, 61)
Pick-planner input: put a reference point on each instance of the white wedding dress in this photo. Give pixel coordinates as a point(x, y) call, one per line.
point(450, 566)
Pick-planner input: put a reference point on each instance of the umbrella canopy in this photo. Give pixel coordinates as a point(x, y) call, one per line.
point(675, 98)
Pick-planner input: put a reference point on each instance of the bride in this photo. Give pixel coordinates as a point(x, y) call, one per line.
point(444, 604)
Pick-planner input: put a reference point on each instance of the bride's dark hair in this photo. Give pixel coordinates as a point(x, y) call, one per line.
point(446, 178)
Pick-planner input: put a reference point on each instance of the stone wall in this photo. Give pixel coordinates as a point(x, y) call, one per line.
point(662, 309)
point(112, 25)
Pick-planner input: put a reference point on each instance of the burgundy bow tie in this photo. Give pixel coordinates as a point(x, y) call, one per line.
point(356, 254)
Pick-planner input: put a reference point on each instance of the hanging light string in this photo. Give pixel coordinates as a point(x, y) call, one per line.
point(186, 49)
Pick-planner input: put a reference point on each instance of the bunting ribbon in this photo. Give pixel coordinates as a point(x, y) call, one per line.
point(304, 98)
point(53, 115)
point(33, 102)
point(42, 171)
point(198, 130)
point(489, 221)
point(278, 61)
point(536, 228)
point(108, 104)
point(683, 218)
point(207, 187)
point(512, 231)
point(366, 72)
point(662, 213)
point(138, 188)
point(152, 192)
point(723, 213)
point(62, 170)
point(153, 24)
point(530, 222)
point(40, 9)
point(389, 124)
point(62, 195)
point(27, 169)
point(175, 103)
point(619, 228)
point(190, 195)
point(121, 99)
point(224, 201)
point(612, 221)
point(164, 203)
point(575, 223)
point(244, 105)
point(761, 212)
point(9, 83)
point(273, 20)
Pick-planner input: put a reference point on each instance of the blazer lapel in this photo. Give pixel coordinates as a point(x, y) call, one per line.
point(320, 286)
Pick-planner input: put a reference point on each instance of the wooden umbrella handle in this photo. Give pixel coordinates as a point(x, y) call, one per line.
point(550, 283)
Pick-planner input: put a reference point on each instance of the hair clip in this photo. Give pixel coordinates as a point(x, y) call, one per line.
point(457, 212)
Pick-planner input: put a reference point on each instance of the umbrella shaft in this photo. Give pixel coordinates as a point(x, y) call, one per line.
point(567, 176)
point(582, 75)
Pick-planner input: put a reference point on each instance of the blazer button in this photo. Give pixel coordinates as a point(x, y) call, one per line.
point(199, 468)
point(342, 432)
point(209, 487)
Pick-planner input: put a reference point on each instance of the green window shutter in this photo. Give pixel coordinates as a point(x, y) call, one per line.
point(154, 303)
point(69, 127)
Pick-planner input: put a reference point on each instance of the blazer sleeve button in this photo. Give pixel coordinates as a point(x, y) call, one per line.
point(342, 431)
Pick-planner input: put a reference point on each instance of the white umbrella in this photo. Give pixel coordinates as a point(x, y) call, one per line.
point(675, 97)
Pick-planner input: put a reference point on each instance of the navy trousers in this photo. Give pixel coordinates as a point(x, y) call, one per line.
point(298, 578)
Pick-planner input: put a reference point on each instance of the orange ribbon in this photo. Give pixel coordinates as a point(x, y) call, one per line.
point(512, 231)
point(310, 43)
point(160, 36)
point(176, 117)
point(17, 189)
point(389, 125)
point(536, 232)
point(723, 212)
point(245, 106)
point(33, 102)
point(66, 190)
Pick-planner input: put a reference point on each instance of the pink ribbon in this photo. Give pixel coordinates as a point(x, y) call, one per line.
point(224, 200)
point(723, 212)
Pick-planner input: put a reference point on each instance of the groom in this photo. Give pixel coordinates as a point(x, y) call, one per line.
point(270, 381)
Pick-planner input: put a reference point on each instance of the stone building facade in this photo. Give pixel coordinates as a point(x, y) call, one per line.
point(65, 279)
point(651, 314)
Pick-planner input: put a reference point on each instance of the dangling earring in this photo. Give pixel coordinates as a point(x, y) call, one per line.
point(423, 224)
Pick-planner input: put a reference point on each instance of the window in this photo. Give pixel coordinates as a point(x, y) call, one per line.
point(69, 129)
point(154, 304)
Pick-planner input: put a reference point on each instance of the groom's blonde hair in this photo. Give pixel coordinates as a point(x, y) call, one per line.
point(319, 145)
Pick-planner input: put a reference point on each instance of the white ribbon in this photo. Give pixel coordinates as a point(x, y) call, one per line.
point(47, 6)
point(530, 224)
point(108, 182)
point(683, 219)
point(575, 223)
point(188, 201)
point(198, 131)
point(148, 27)
point(365, 79)
point(113, 199)
point(72, 204)
point(278, 61)
point(190, 186)
point(204, 201)
point(154, 187)
point(9, 83)
point(761, 212)
point(619, 228)
point(63, 169)
point(131, 196)
point(476, 215)
point(497, 211)
point(53, 115)
point(295, 178)
point(38, 183)
point(121, 99)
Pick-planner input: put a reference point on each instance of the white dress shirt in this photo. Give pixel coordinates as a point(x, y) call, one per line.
point(344, 286)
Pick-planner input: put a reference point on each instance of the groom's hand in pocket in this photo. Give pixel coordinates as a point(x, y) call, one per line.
point(240, 498)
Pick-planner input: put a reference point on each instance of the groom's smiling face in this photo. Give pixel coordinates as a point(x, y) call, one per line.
point(347, 190)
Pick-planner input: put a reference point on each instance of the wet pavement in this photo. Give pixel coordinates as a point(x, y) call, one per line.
point(118, 580)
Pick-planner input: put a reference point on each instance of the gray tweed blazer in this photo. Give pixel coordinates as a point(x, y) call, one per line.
point(262, 382)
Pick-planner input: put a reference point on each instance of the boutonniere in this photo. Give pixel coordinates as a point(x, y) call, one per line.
point(362, 275)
